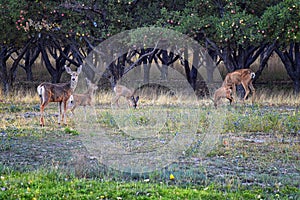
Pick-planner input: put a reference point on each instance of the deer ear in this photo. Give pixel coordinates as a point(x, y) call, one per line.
point(68, 69)
point(79, 69)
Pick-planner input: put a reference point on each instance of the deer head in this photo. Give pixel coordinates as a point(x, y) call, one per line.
point(74, 75)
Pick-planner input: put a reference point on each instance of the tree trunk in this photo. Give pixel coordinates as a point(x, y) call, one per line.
point(194, 70)
point(297, 86)
point(13, 69)
point(48, 64)
point(264, 57)
point(30, 57)
point(291, 62)
point(146, 68)
point(164, 67)
point(3, 69)
point(186, 65)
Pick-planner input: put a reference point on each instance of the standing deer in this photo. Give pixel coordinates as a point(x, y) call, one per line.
point(223, 92)
point(121, 90)
point(85, 99)
point(241, 76)
point(58, 92)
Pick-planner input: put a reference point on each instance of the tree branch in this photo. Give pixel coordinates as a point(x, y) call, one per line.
point(140, 59)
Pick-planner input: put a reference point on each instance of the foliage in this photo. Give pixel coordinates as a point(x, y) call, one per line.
point(235, 26)
point(281, 22)
point(70, 131)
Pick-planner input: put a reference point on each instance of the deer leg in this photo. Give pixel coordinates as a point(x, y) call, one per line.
point(246, 89)
point(42, 122)
point(116, 100)
point(59, 114)
point(64, 113)
point(229, 97)
point(42, 107)
point(73, 108)
point(216, 102)
point(129, 102)
point(252, 90)
point(234, 91)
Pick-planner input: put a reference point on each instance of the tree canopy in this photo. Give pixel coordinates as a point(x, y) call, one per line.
point(236, 32)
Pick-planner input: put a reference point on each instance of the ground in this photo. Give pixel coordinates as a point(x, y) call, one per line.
point(244, 156)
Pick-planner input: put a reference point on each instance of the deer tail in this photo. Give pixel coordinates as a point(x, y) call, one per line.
point(41, 92)
point(252, 75)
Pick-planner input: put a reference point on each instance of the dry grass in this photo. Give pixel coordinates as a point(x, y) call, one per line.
point(23, 97)
point(277, 97)
point(264, 96)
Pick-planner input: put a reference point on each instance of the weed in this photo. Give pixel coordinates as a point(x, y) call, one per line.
point(70, 131)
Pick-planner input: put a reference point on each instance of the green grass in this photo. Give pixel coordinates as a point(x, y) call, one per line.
point(257, 156)
point(57, 185)
point(262, 119)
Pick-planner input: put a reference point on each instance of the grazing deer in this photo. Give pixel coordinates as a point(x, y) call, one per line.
point(223, 92)
point(121, 90)
point(86, 99)
point(241, 76)
point(58, 92)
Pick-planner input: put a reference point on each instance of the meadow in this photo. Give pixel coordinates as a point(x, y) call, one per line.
point(253, 154)
point(242, 151)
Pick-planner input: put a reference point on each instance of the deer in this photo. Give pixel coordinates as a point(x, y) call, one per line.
point(58, 92)
point(241, 76)
point(85, 99)
point(121, 90)
point(223, 92)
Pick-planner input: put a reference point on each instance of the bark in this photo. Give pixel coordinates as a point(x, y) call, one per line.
point(30, 58)
point(186, 65)
point(164, 67)
point(146, 68)
point(4, 56)
point(194, 70)
point(264, 57)
point(13, 69)
point(291, 62)
point(297, 86)
point(49, 67)
point(3, 69)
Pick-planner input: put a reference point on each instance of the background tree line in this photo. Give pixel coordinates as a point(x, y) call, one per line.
point(235, 32)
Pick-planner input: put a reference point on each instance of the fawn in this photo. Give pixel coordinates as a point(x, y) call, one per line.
point(121, 90)
point(85, 99)
point(223, 92)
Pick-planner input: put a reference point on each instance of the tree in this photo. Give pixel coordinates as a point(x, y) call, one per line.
point(281, 23)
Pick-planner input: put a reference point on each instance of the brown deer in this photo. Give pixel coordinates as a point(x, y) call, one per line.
point(121, 90)
point(241, 76)
point(223, 92)
point(85, 99)
point(58, 92)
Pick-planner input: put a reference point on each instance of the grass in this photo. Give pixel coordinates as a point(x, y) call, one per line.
point(256, 155)
point(56, 185)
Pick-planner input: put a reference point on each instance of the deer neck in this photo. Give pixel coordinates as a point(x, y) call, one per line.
point(73, 85)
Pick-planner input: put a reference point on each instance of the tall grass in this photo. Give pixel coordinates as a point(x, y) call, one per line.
point(267, 95)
